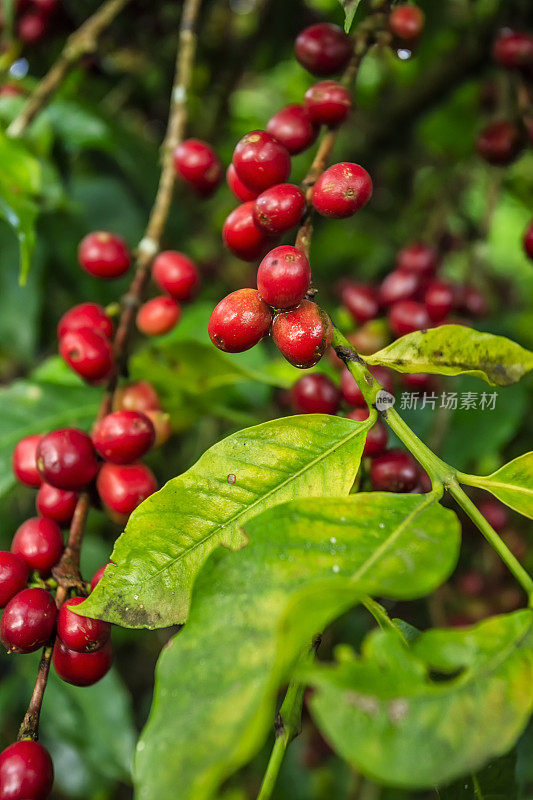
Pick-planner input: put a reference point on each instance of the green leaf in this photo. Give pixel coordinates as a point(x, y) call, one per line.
point(254, 612)
point(512, 484)
point(350, 9)
point(457, 350)
point(386, 715)
point(171, 534)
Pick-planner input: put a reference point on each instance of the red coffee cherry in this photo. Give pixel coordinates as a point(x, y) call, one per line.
point(400, 284)
point(85, 315)
point(513, 49)
point(104, 255)
point(45, 7)
point(323, 49)
point(238, 188)
point(140, 396)
point(66, 459)
point(239, 321)
point(56, 504)
point(162, 426)
point(419, 381)
point(283, 277)
point(82, 669)
point(328, 103)
point(351, 391)
point(176, 274)
point(82, 634)
point(376, 438)
point(407, 316)
point(473, 302)
point(88, 353)
point(342, 190)
point(500, 143)
point(471, 584)
point(98, 575)
point(13, 576)
point(261, 161)
point(303, 335)
point(24, 461)
point(407, 22)
point(241, 235)
point(31, 28)
point(394, 471)
point(495, 513)
point(122, 487)
point(361, 300)
point(315, 394)
point(439, 300)
point(28, 621)
point(124, 436)
point(158, 316)
point(279, 208)
point(39, 542)
point(528, 241)
point(198, 164)
point(292, 127)
point(26, 772)
point(417, 257)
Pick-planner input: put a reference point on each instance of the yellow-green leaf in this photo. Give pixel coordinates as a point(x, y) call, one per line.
point(512, 484)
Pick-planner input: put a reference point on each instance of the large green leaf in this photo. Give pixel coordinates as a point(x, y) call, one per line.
point(388, 715)
point(171, 534)
point(255, 610)
point(457, 350)
point(512, 484)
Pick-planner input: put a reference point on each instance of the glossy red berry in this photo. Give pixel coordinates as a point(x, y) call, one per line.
point(238, 188)
point(407, 316)
point(86, 315)
point(361, 300)
point(406, 21)
point(24, 461)
point(140, 396)
point(471, 584)
point(513, 49)
point(495, 513)
point(66, 458)
point(261, 161)
point(283, 277)
point(351, 391)
point(13, 576)
point(315, 394)
point(279, 208)
point(176, 274)
point(400, 284)
point(419, 382)
point(323, 49)
point(39, 542)
point(239, 321)
point(241, 235)
point(123, 436)
point(293, 128)
point(528, 241)
point(328, 103)
point(122, 487)
point(26, 772)
point(376, 438)
point(303, 335)
point(81, 633)
point(98, 575)
point(45, 6)
point(198, 164)
point(56, 504)
point(439, 300)
point(417, 257)
point(342, 190)
point(104, 255)
point(474, 302)
point(394, 471)
point(31, 28)
point(82, 669)
point(158, 315)
point(88, 353)
point(28, 621)
point(500, 143)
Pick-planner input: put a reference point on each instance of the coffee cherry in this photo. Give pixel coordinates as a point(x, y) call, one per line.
point(123, 436)
point(394, 471)
point(31, 28)
point(407, 316)
point(13, 576)
point(28, 621)
point(419, 381)
point(513, 49)
point(376, 438)
point(292, 127)
point(328, 103)
point(323, 49)
point(473, 302)
point(122, 487)
point(26, 772)
point(342, 190)
point(39, 542)
point(439, 300)
point(400, 284)
point(198, 164)
point(417, 257)
point(104, 255)
point(45, 7)
point(98, 575)
point(495, 513)
point(82, 669)
point(85, 315)
point(261, 161)
point(176, 274)
point(66, 459)
point(241, 235)
point(315, 394)
point(88, 353)
point(500, 143)
point(239, 321)
point(351, 391)
point(528, 241)
point(303, 335)
point(140, 396)
point(158, 316)
point(370, 337)
point(407, 22)
point(24, 461)
point(283, 277)
point(81, 633)
point(238, 188)
point(56, 504)
point(471, 584)
point(361, 300)
point(162, 426)
point(279, 208)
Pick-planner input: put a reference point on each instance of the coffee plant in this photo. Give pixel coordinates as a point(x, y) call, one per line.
point(265, 396)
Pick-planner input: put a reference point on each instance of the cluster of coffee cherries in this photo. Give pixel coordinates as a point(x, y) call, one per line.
point(34, 19)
